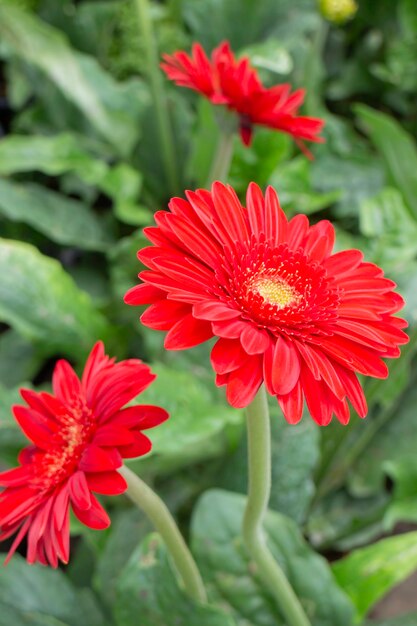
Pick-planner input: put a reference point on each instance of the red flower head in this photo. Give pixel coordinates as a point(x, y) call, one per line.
point(286, 311)
point(236, 84)
point(80, 436)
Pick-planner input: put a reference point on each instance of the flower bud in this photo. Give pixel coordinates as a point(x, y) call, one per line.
point(338, 11)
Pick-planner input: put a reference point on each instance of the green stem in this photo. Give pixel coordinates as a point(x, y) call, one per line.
point(158, 94)
point(259, 451)
point(223, 157)
point(150, 503)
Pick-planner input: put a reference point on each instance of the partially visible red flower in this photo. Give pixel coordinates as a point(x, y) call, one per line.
point(80, 435)
point(236, 85)
point(286, 311)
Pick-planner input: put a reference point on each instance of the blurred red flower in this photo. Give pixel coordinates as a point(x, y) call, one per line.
point(80, 436)
point(236, 85)
point(286, 311)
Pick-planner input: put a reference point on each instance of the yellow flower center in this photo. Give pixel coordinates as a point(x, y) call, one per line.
point(276, 291)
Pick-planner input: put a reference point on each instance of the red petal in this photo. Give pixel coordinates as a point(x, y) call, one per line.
point(95, 517)
point(164, 314)
point(65, 382)
point(140, 417)
point(230, 212)
point(106, 483)
point(112, 435)
point(292, 404)
point(244, 383)
point(15, 477)
point(285, 367)
point(227, 355)
point(140, 446)
point(276, 226)
point(254, 340)
point(143, 294)
point(95, 459)
point(187, 333)
point(35, 426)
point(79, 492)
point(256, 209)
point(213, 311)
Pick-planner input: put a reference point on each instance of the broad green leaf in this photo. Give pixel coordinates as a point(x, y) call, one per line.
point(52, 155)
point(403, 507)
point(65, 153)
point(13, 615)
point(355, 177)
point(295, 451)
point(386, 219)
point(197, 422)
point(341, 522)
point(217, 544)
point(212, 21)
point(127, 530)
point(295, 187)
point(77, 76)
point(19, 359)
point(40, 300)
point(397, 148)
point(61, 219)
point(160, 600)
point(367, 574)
point(32, 591)
point(368, 475)
point(266, 154)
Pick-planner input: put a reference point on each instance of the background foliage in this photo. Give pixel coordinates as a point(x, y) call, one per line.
point(80, 174)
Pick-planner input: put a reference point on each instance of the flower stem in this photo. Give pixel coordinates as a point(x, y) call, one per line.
point(223, 157)
point(158, 94)
point(259, 451)
point(157, 512)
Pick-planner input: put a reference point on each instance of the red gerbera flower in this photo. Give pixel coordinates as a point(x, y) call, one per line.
point(80, 436)
point(286, 310)
point(236, 84)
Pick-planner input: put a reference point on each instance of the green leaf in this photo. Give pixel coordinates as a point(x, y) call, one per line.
point(341, 522)
point(36, 592)
point(212, 21)
point(295, 451)
point(386, 219)
point(397, 149)
point(160, 600)
point(40, 300)
point(127, 529)
point(355, 178)
point(369, 472)
point(12, 615)
point(63, 220)
point(110, 109)
point(217, 544)
point(295, 187)
point(19, 359)
point(199, 423)
point(51, 155)
point(403, 507)
point(267, 153)
point(367, 574)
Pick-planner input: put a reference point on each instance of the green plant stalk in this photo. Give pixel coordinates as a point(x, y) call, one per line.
point(222, 159)
point(259, 461)
point(157, 512)
point(158, 94)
